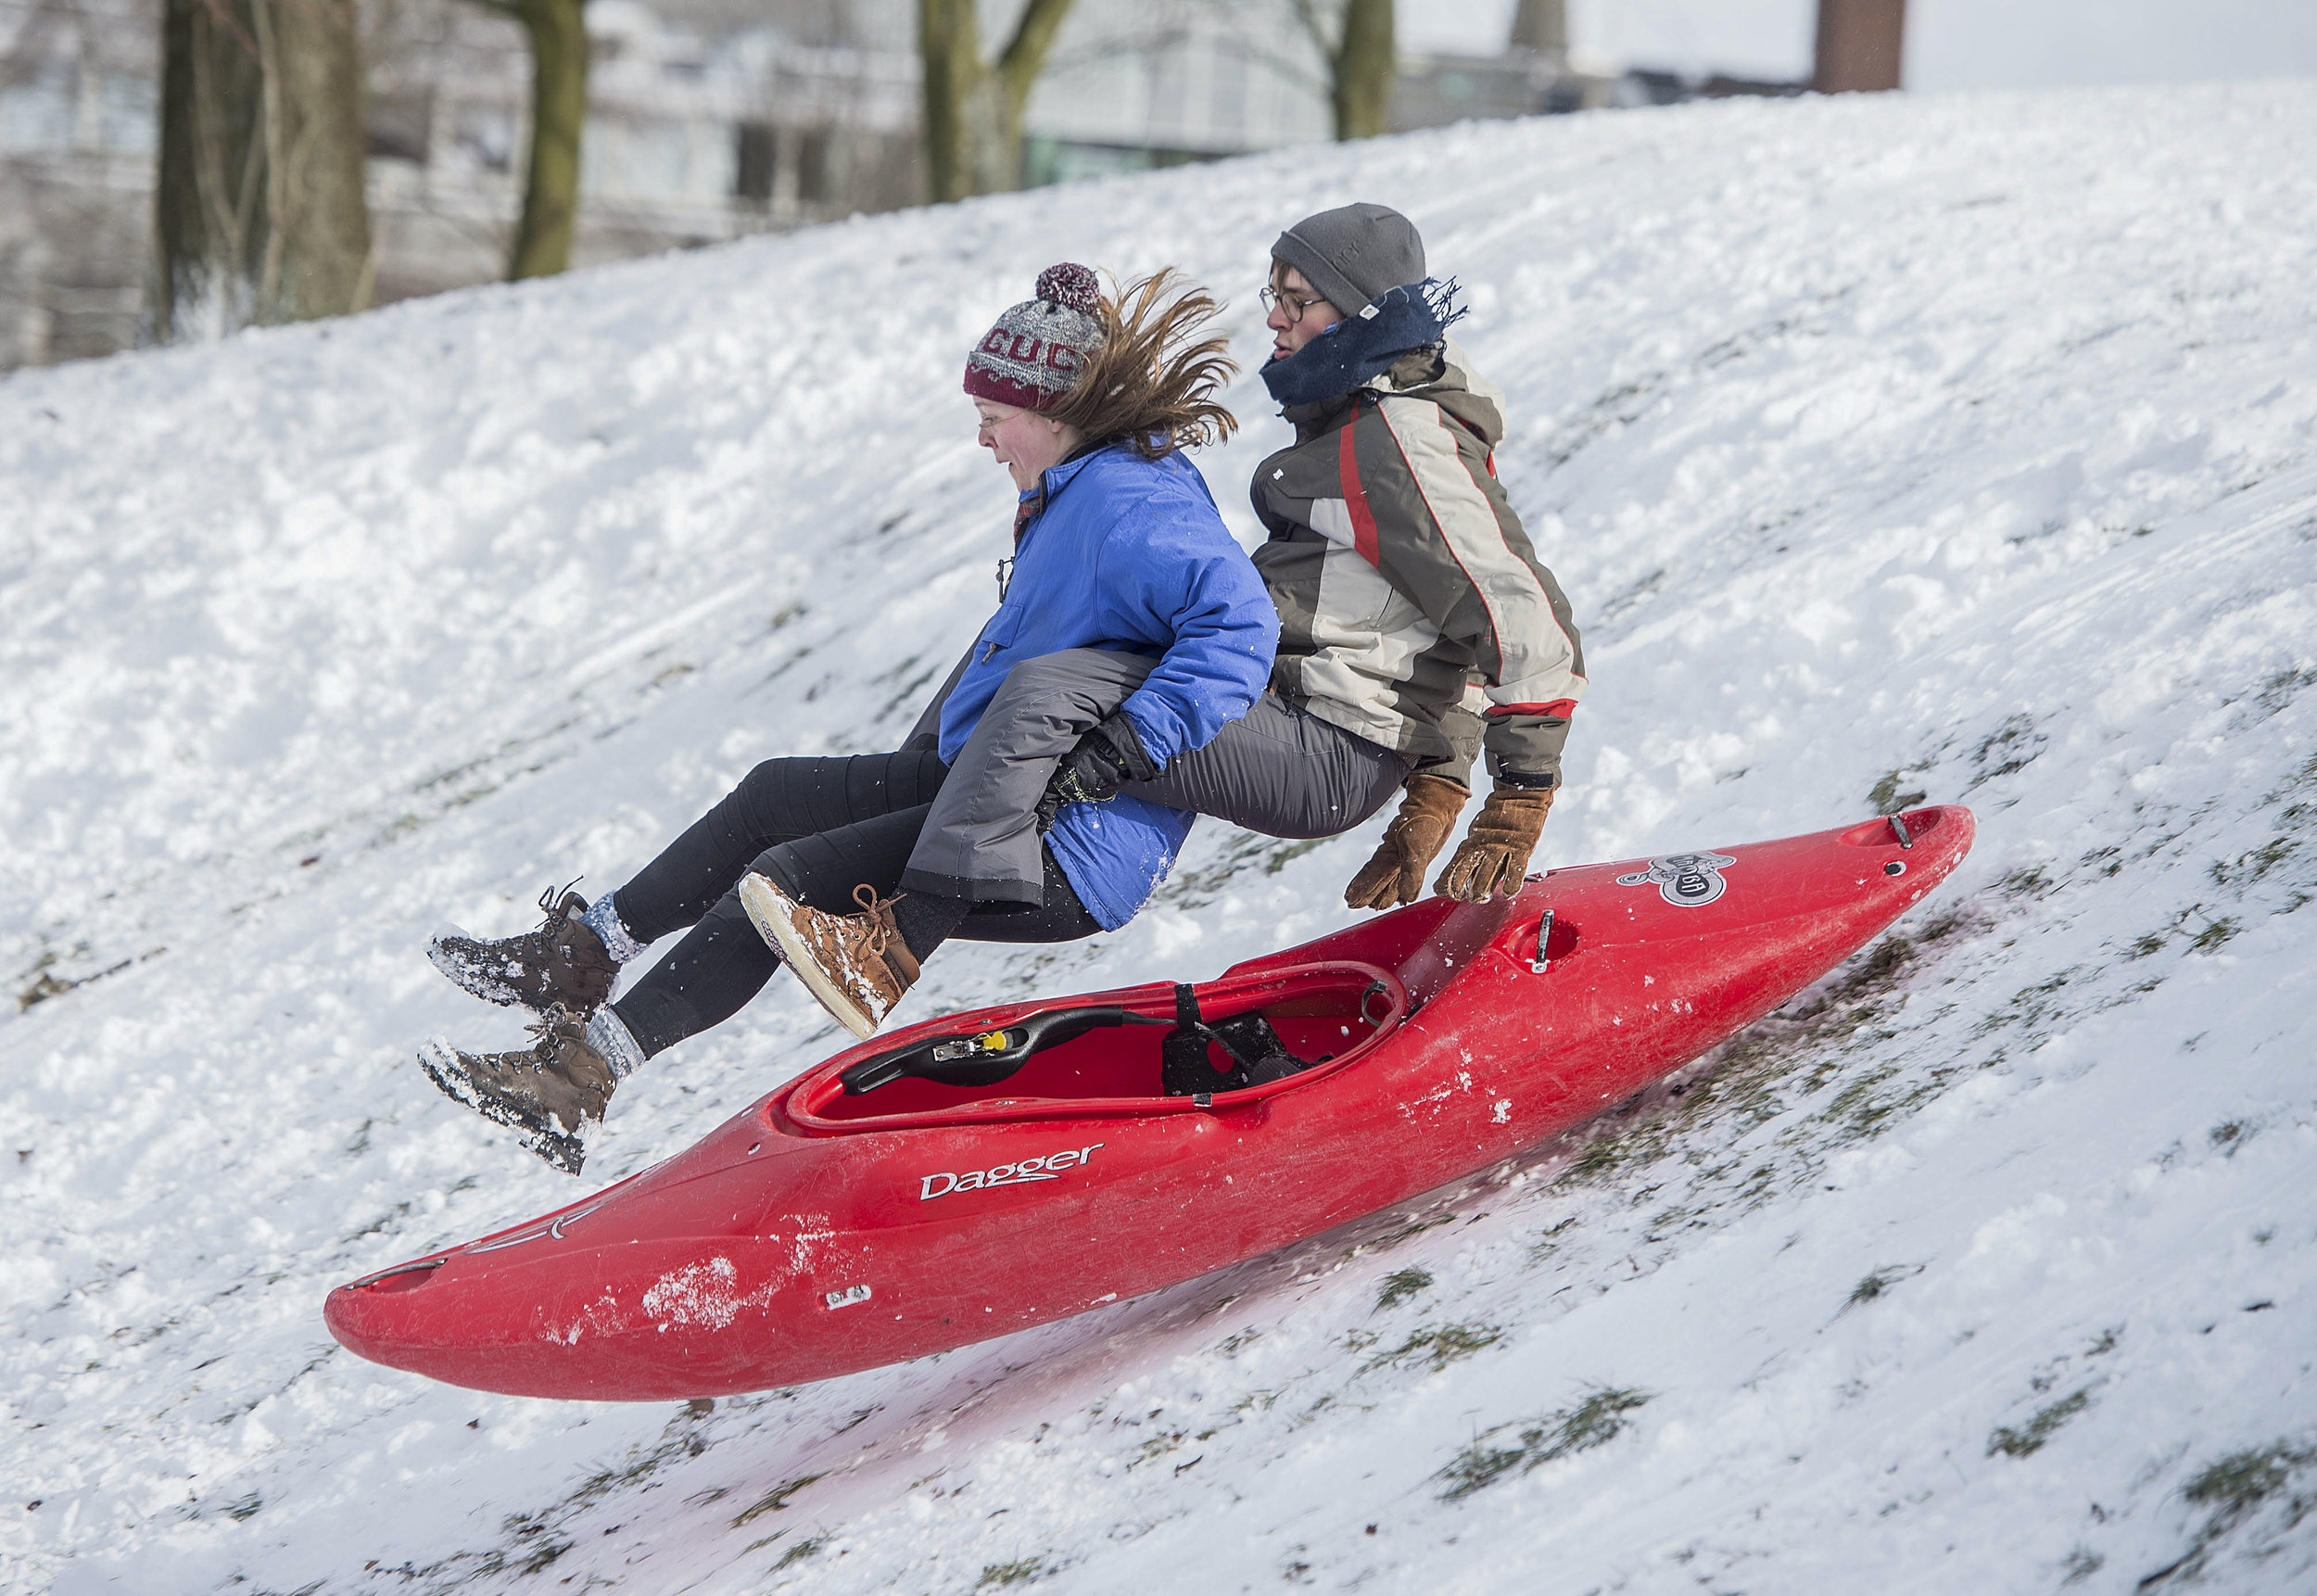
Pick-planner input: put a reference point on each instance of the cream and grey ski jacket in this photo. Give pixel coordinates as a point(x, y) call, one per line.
point(1402, 576)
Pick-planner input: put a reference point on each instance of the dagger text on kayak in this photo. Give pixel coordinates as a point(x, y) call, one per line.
point(1039, 1169)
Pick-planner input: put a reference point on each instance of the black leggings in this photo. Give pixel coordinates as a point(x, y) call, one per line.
point(818, 827)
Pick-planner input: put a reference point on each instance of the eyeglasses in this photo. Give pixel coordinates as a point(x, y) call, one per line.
point(1273, 299)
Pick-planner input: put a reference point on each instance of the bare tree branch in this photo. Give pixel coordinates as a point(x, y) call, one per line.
point(1025, 55)
point(973, 108)
point(1308, 14)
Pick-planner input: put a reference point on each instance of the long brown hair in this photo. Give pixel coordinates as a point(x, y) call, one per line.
point(1150, 385)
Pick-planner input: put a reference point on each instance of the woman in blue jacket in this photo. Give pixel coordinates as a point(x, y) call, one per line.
point(1087, 400)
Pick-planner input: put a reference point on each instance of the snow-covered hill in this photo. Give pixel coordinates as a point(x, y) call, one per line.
point(1962, 447)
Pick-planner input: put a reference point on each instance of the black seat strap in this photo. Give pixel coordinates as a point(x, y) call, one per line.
point(1184, 1071)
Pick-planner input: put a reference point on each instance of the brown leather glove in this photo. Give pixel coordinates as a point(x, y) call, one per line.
point(1494, 855)
point(1427, 814)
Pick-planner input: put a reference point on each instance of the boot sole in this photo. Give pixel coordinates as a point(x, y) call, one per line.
point(563, 1150)
point(765, 904)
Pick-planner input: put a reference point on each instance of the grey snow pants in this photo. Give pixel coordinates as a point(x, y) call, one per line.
point(1277, 770)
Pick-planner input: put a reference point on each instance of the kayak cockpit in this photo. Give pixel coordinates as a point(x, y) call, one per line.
point(1154, 1049)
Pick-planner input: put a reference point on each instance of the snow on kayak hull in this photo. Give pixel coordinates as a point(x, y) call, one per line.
point(826, 1231)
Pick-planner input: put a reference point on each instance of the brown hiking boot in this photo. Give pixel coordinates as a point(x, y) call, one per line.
point(856, 965)
point(561, 964)
point(551, 1093)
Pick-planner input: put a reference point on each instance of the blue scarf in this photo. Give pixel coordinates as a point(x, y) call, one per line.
point(1363, 346)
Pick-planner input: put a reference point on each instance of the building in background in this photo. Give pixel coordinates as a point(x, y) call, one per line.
point(1534, 74)
point(1161, 82)
point(78, 112)
point(691, 138)
point(708, 119)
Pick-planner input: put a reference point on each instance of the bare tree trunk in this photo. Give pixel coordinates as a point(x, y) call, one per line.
point(1017, 70)
point(258, 211)
point(1365, 65)
point(949, 42)
point(973, 107)
point(559, 115)
point(1361, 63)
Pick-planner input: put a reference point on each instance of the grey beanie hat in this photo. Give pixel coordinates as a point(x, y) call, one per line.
point(1354, 253)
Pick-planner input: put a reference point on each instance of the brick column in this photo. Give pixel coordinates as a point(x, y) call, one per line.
point(1860, 43)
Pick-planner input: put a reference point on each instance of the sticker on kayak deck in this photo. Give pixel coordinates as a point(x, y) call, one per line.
point(1042, 1168)
point(1686, 880)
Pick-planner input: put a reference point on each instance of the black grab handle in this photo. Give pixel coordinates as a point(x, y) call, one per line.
point(985, 1058)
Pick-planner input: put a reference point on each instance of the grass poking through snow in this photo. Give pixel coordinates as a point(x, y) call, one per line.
point(1595, 1422)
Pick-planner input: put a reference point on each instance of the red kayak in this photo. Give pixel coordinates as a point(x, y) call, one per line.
point(982, 1172)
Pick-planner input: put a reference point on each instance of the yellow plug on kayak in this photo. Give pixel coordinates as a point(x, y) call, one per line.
point(990, 1042)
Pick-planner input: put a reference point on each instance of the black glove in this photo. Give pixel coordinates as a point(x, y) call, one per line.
point(1108, 756)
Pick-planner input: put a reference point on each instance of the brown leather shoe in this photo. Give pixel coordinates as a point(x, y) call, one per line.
point(561, 964)
point(856, 965)
point(551, 1093)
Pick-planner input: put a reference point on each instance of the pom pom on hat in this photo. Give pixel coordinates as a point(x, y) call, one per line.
point(1069, 285)
point(1038, 350)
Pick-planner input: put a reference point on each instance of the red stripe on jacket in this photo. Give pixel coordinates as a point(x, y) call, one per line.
point(1355, 493)
point(1560, 707)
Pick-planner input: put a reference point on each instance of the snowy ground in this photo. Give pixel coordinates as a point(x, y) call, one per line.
point(1961, 447)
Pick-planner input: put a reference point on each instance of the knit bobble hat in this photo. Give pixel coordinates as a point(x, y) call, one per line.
point(1035, 354)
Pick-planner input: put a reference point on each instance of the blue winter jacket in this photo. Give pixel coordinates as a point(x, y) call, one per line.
point(1129, 554)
